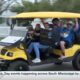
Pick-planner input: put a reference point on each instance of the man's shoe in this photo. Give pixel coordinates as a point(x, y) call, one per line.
point(37, 60)
point(62, 57)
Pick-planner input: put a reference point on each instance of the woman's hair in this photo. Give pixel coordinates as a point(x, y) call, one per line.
point(37, 26)
point(55, 20)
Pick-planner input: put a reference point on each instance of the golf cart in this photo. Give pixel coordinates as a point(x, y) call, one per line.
point(13, 55)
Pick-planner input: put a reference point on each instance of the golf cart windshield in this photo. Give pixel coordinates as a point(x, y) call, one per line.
point(16, 35)
point(18, 32)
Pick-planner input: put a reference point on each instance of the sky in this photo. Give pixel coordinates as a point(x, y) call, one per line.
point(27, 0)
point(31, 0)
point(34, 0)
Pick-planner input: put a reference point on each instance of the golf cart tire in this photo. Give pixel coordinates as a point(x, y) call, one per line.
point(18, 66)
point(76, 62)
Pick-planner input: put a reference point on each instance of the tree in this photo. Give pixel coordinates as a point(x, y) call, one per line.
point(62, 5)
point(5, 4)
point(76, 7)
point(26, 6)
point(46, 5)
point(17, 8)
point(43, 5)
point(67, 5)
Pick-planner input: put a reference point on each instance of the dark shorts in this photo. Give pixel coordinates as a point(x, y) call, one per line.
point(67, 44)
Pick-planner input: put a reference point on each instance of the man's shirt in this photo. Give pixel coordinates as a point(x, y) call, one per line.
point(68, 35)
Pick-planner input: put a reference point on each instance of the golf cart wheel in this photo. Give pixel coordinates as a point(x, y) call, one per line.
point(76, 62)
point(18, 66)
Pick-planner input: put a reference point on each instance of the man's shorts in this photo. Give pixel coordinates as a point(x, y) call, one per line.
point(67, 44)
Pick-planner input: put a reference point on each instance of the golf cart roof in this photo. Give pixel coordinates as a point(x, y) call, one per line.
point(47, 15)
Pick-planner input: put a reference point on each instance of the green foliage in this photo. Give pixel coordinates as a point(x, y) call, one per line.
point(61, 5)
point(45, 5)
point(17, 8)
point(76, 7)
point(28, 6)
point(67, 5)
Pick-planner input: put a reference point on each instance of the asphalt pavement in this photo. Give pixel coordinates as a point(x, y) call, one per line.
point(52, 67)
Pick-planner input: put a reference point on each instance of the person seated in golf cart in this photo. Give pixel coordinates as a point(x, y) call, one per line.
point(56, 28)
point(36, 44)
point(77, 33)
point(67, 35)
